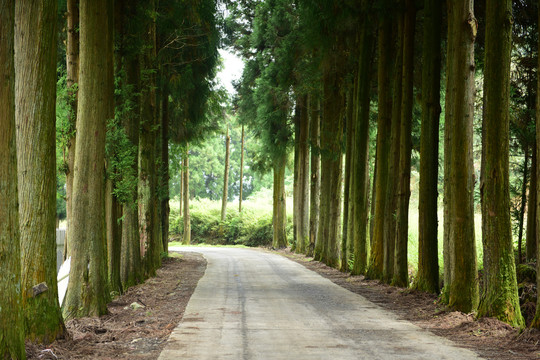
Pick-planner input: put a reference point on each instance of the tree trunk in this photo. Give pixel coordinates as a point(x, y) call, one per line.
point(302, 190)
point(347, 190)
point(523, 203)
point(296, 125)
point(360, 166)
point(315, 178)
point(72, 79)
point(165, 197)
point(11, 309)
point(401, 270)
point(113, 213)
point(384, 121)
point(279, 217)
point(241, 171)
point(500, 296)
point(186, 240)
point(427, 278)
point(225, 176)
point(88, 293)
point(531, 210)
point(35, 98)
point(536, 320)
point(463, 295)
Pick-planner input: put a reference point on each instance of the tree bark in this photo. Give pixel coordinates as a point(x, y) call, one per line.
point(427, 278)
point(279, 217)
point(315, 178)
point(360, 166)
point(35, 98)
point(165, 197)
point(531, 210)
point(401, 269)
point(225, 176)
point(72, 79)
point(536, 320)
point(500, 296)
point(523, 203)
point(113, 213)
point(241, 171)
point(11, 309)
point(347, 189)
point(302, 190)
point(463, 295)
point(375, 270)
point(88, 293)
point(186, 240)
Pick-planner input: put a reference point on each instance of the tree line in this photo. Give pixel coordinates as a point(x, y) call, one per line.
point(320, 76)
point(139, 74)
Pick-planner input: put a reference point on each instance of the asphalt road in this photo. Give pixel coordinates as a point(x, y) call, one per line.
point(256, 305)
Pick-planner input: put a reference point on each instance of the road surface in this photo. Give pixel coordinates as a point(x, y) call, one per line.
point(256, 305)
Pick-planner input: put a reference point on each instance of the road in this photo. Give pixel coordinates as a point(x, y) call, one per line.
point(256, 305)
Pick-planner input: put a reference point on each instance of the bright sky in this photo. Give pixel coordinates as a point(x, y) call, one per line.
point(232, 70)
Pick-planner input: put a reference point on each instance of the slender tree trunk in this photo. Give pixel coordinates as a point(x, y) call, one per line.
point(296, 122)
point(279, 218)
point(225, 176)
point(427, 278)
point(463, 294)
point(401, 273)
point(523, 204)
point(88, 293)
point(384, 121)
point(11, 308)
point(165, 209)
point(315, 180)
point(536, 320)
point(35, 98)
point(531, 210)
point(186, 240)
point(302, 191)
point(360, 166)
point(241, 171)
point(345, 254)
point(113, 213)
point(500, 296)
point(72, 79)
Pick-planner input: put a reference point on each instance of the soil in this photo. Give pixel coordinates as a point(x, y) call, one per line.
point(127, 333)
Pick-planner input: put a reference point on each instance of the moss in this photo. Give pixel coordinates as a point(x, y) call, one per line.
point(526, 273)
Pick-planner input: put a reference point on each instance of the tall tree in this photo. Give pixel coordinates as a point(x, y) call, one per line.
point(536, 320)
point(463, 288)
point(165, 194)
point(12, 324)
point(225, 175)
point(186, 240)
point(532, 226)
point(315, 178)
point(87, 292)
point(500, 296)
point(35, 98)
point(427, 278)
point(302, 216)
point(241, 170)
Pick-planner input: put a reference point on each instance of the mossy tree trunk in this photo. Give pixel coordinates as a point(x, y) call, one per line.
point(315, 178)
point(35, 99)
point(384, 120)
point(427, 278)
point(279, 216)
point(500, 296)
point(360, 166)
point(226, 176)
point(531, 210)
point(72, 79)
point(302, 191)
point(401, 273)
point(186, 239)
point(463, 294)
point(11, 309)
point(88, 293)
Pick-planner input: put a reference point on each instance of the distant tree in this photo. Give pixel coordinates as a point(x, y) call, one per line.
point(226, 175)
point(12, 324)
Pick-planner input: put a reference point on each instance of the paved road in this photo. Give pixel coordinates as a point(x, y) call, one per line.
point(255, 305)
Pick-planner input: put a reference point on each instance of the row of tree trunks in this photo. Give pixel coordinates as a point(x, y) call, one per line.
point(11, 309)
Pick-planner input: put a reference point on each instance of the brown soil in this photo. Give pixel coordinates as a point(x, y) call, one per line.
point(127, 333)
point(488, 337)
point(141, 334)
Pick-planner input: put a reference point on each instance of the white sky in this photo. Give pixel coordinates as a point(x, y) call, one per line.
point(232, 70)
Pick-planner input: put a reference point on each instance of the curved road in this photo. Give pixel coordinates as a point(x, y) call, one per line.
point(256, 305)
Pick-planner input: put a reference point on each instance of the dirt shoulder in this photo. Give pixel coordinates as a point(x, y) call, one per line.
point(490, 338)
point(132, 332)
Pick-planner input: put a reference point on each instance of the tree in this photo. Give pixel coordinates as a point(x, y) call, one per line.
point(88, 292)
point(463, 286)
point(427, 278)
point(12, 324)
point(315, 178)
point(226, 175)
point(500, 296)
point(35, 98)
point(186, 240)
point(302, 216)
point(241, 171)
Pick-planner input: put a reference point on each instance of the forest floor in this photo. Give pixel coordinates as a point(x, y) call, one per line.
point(141, 333)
